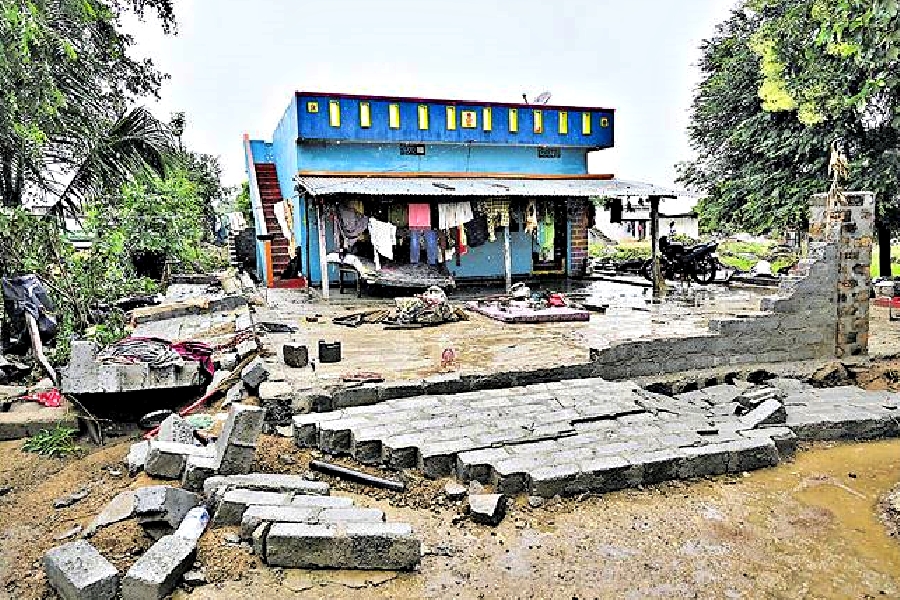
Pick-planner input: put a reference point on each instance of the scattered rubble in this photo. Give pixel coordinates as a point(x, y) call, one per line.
point(77, 571)
point(455, 491)
point(156, 574)
point(73, 498)
point(487, 509)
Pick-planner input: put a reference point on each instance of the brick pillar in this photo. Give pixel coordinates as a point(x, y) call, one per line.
point(577, 213)
point(850, 228)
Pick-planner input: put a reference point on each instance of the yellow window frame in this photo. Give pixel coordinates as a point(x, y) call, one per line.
point(394, 116)
point(334, 113)
point(563, 122)
point(486, 118)
point(451, 117)
point(423, 117)
point(604, 122)
point(586, 123)
point(538, 120)
point(312, 106)
point(365, 115)
point(513, 120)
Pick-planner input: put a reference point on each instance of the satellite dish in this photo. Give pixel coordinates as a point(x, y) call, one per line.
point(543, 98)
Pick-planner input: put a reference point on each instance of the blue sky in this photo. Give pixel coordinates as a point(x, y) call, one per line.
point(235, 63)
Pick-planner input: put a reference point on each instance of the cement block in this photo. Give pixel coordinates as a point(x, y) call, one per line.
point(295, 355)
point(236, 459)
point(268, 482)
point(487, 509)
point(164, 504)
point(769, 412)
point(243, 426)
point(137, 456)
point(197, 470)
point(234, 503)
point(258, 514)
point(156, 574)
point(77, 571)
point(351, 515)
point(254, 373)
point(321, 502)
point(166, 460)
point(352, 546)
point(175, 429)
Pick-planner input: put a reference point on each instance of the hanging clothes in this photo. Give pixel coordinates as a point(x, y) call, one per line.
point(352, 224)
point(454, 214)
point(415, 246)
point(547, 236)
point(420, 216)
point(462, 246)
point(398, 214)
point(497, 213)
point(384, 236)
point(531, 220)
point(356, 205)
point(431, 246)
point(476, 231)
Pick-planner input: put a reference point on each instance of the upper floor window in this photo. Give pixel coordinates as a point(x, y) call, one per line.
point(513, 120)
point(334, 113)
point(312, 106)
point(486, 118)
point(563, 122)
point(451, 117)
point(423, 116)
point(394, 116)
point(469, 119)
point(365, 114)
point(586, 123)
point(604, 122)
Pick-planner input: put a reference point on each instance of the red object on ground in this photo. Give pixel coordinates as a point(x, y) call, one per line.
point(51, 398)
point(886, 302)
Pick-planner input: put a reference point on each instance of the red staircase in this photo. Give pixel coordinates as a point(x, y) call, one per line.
point(270, 194)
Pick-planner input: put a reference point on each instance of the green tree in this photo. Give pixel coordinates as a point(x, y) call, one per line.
point(67, 81)
point(782, 79)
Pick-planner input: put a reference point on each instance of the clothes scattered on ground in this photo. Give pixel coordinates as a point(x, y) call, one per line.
point(430, 308)
point(50, 398)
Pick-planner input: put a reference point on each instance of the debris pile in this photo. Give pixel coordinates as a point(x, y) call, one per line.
point(430, 308)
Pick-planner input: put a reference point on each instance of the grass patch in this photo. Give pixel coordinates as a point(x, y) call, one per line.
point(57, 442)
point(875, 269)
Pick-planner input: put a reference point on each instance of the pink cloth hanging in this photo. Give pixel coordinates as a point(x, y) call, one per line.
point(420, 216)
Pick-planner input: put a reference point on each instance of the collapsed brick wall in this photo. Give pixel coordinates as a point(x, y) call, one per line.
point(818, 314)
point(577, 214)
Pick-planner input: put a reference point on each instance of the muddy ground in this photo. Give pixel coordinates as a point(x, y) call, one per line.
point(811, 528)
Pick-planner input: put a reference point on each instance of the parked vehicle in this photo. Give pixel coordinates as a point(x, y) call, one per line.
point(699, 262)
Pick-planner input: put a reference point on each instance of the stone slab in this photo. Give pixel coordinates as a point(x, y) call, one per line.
point(156, 574)
point(77, 571)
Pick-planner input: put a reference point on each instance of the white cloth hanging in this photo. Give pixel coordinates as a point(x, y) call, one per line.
point(384, 237)
point(454, 214)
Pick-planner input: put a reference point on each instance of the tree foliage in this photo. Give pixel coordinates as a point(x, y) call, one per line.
point(67, 82)
point(781, 80)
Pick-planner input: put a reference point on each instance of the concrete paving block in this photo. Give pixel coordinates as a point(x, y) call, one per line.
point(258, 540)
point(17, 425)
point(321, 502)
point(137, 456)
point(389, 546)
point(243, 425)
point(237, 459)
point(295, 355)
point(548, 481)
point(234, 503)
point(306, 428)
point(351, 515)
point(254, 373)
point(156, 574)
point(175, 429)
point(751, 454)
point(510, 475)
point(785, 439)
point(438, 459)
point(166, 460)
point(197, 470)
point(657, 465)
point(258, 514)
point(487, 509)
point(163, 504)
point(77, 571)
point(268, 482)
point(475, 465)
point(334, 435)
point(769, 412)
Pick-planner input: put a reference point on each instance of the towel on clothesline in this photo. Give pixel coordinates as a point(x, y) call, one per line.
point(384, 236)
point(420, 216)
point(454, 214)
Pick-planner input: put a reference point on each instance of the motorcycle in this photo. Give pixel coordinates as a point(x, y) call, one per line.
point(699, 262)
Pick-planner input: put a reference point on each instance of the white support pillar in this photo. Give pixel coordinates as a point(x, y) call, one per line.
point(323, 262)
point(507, 258)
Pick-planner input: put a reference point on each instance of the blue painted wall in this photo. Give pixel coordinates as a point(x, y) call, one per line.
point(262, 151)
point(316, 125)
point(458, 158)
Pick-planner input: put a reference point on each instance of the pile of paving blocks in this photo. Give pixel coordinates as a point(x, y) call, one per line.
point(293, 522)
point(174, 455)
point(593, 435)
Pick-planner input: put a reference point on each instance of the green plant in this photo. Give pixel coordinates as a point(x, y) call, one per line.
point(58, 442)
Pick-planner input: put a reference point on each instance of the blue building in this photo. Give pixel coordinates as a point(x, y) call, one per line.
point(414, 190)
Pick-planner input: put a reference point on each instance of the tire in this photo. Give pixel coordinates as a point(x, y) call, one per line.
point(153, 419)
point(705, 271)
point(647, 269)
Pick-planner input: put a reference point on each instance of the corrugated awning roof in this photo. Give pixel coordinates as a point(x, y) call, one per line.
point(479, 187)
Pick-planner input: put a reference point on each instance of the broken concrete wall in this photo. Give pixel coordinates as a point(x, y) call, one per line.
point(819, 314)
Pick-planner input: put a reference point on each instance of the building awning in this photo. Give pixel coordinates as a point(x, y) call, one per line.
point(479, 187)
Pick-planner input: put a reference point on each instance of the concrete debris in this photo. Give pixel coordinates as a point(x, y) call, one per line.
point(175, 429)
point(162, 508)
point(770, 412)
point(157, 572)
point(69, 533)
point(295, 355)
point(118, 509)
point(455, 491)
point(77, 571)
point(265, 482)
point(245, 349)
point(74, 497)
point(194, 578)
point(137, 457)
point(167, 460)
point(487, 509)
point(254, 374)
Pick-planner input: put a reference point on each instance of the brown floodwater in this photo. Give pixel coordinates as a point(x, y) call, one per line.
point(806, 529)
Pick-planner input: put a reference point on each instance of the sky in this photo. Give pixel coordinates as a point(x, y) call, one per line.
point(235, 63)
